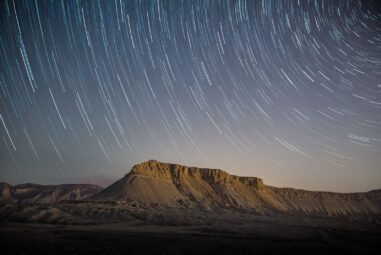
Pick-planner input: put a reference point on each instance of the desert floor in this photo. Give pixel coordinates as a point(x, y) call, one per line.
point(260, 237)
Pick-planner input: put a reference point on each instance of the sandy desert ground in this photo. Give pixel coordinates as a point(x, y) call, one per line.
point(260, 236)
point(187, 231)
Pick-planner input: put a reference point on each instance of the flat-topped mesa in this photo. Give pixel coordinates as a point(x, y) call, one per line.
point(164, 185)
point(175, 172)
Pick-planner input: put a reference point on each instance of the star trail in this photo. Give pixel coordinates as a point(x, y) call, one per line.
point(289, 91)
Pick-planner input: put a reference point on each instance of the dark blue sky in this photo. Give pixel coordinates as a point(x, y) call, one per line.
point(289, 91)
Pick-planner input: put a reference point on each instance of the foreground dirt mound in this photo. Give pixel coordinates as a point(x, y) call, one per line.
point(34, 193)
point(171, 185)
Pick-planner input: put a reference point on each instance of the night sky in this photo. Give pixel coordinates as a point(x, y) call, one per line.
point(289, 91)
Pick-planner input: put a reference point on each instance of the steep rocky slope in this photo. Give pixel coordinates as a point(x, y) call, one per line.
point(34, 193)
point(172, 185)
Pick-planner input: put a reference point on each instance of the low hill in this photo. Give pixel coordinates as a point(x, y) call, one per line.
point(35, 193)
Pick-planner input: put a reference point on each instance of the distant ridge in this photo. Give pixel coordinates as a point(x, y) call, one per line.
point(35, 193)
point(171, 185)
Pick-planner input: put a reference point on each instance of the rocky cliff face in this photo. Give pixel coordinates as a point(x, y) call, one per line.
point(176, 173)
point(34, 193)
point(172, 185)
